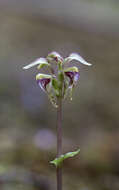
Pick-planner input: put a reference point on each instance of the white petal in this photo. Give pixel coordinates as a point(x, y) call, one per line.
point(36, 62)
point(77, 57)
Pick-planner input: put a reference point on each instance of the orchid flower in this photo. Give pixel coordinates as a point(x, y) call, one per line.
point(58, 84)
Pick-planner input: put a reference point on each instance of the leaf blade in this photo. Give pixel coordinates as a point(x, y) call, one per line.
point(71, 154)
point(58, 161)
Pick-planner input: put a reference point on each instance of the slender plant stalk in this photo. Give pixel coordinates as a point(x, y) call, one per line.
point(58, 84)
point(59, 142)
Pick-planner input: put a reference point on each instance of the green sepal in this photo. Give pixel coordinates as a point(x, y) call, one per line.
point(61, 76)
point(60, 81)
point(72, 69)
point(55, 86)
point(43, 76)
point(55, 83)
point(58, 161)
point(41, 65)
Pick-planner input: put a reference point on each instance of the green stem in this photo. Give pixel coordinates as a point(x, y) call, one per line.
point(59, 142)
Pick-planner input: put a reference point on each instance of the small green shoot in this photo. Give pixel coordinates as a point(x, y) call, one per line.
point(58, 161)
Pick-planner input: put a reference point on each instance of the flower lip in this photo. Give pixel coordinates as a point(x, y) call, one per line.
point(73, 76)
point(43, 83)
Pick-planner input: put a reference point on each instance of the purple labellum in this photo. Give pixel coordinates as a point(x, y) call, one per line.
point(76, 76)
point(73, 76)
point(43, 83)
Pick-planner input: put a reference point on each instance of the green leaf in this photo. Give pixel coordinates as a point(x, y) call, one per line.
point(76, 57)
point(71, 154)
point(58, 161)
point(36, 62)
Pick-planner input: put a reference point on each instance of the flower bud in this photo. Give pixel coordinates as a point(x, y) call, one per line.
point(54, 56)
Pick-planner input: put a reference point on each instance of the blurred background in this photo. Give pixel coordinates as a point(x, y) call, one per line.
point(30, 29)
